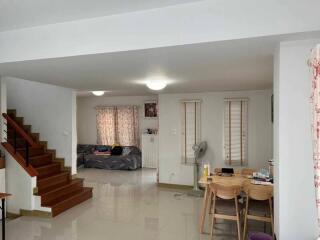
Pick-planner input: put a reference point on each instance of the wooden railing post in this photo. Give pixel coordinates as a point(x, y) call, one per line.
point(27, 154)
point(15, 140)
point(19, 131)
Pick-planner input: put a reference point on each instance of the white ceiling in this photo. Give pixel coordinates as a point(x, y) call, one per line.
point(220, 66)
point(16, 14)
point(245, 64)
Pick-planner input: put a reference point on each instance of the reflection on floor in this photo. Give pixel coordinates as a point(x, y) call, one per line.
point(125, 205)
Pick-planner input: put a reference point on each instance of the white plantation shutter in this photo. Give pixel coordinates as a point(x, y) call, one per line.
point(191, 123)
point(236, 131)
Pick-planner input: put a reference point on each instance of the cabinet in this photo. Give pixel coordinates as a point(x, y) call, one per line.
point(150, 152)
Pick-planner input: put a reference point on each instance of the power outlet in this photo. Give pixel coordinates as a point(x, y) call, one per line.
point(172, 175)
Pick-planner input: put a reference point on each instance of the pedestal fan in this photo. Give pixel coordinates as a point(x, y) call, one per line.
point(199, 151)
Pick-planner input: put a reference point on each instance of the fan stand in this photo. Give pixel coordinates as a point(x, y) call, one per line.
point(196, 192)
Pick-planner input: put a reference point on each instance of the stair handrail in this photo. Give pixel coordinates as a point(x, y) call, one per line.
point(22, 159)
point(19, 129)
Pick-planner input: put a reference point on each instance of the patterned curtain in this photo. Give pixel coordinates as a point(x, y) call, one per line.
point(118, 124)
point(315, 99)
point(127, 126)
point(106, 131)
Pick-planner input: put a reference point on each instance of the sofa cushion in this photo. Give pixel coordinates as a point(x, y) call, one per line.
point(85, 148)
point(116, 151)
point(103, 148)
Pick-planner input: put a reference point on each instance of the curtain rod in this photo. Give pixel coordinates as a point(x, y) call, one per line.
point(191, 100)
point(113, 106)
point(235, 99)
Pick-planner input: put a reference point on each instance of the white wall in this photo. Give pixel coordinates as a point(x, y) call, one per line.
point(50, 110)
point(3, 107)
point(20, 185)
point(202, 21)
point(212, 109)
point(295, 206)
point(86, 114)
point(276, 62)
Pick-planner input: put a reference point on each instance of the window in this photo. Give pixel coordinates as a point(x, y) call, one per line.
point(191, 123)
point(117, 124)
point(236, 131)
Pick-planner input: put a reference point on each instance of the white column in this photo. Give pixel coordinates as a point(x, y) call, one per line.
point(74, 138)
point(295, 206)
point(3, 128)
point(3, 107)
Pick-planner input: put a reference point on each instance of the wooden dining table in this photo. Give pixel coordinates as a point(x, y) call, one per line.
point(236, 179)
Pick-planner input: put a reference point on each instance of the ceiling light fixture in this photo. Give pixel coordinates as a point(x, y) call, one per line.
point(98, 93)
point(156, 84)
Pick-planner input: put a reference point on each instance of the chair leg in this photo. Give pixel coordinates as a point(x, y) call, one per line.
point(212, 226)
point(213, 217)
point(210, 204)
point(271, 215)
point(239, 228)
point(238, 219)
point(245, 219)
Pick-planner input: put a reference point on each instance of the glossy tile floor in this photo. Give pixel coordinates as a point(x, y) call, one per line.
point(125, 206)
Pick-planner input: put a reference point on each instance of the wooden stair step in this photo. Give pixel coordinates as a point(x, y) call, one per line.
point(45, 190)
point(62, 177)
point(61, 192)
point(67, 202)
point(41, 160)
point(62, 198)
point(55, 186)
point(10, 133)
point(27, 128)
point(35, 136)
point(20, 160)
point(19, 141)
point(33, 151)
point(12, 112)
point(59, 186)
point(19, 120)
point(48, 170)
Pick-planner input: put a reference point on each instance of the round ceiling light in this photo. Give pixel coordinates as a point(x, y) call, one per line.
point(98, 93)
point(156, 85)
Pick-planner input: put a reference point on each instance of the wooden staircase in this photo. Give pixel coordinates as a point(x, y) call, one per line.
point(55, 185)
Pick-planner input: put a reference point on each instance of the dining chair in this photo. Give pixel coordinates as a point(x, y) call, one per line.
point(216, 171)
point(247, 171)
point(225, 205)
point(258, 205)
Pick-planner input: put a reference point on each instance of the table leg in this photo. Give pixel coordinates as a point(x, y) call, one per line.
point(3, 219)
point(204, 209)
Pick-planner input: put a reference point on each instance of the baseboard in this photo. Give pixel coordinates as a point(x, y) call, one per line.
point(11, 215)
point(74, 176)
point(174, 186)
point(35, 213)
point(35, 190)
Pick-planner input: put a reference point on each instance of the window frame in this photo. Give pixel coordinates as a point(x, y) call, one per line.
point(185, 159)
point(244, 130)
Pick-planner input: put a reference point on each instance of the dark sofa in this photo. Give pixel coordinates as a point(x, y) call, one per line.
point(130, 159)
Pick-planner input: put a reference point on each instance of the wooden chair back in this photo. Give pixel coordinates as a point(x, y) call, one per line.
point(259, 192)
point(225, 192)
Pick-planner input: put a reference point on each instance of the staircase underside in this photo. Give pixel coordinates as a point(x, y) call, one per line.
point(55, 186)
